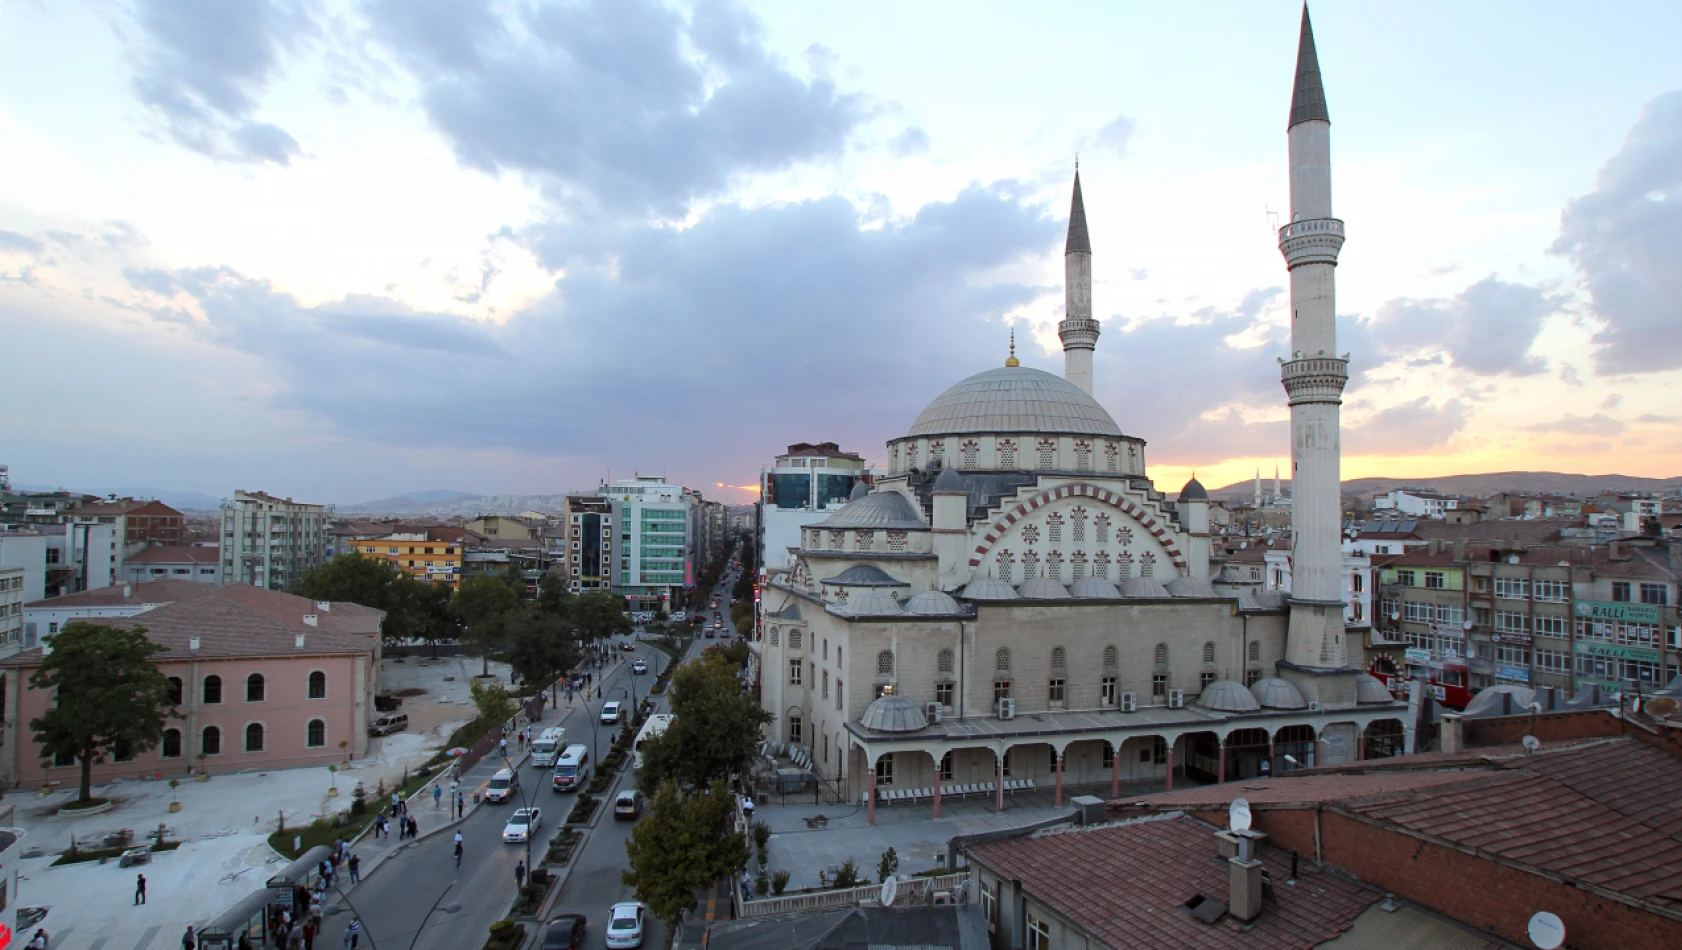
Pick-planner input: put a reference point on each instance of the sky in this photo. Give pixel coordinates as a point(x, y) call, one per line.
point(345, 250)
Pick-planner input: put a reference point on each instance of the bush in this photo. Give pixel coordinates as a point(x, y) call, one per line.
point(505, 935)
point(847, 875)
point(582, 809)
point(779, 881)
point(889, 865)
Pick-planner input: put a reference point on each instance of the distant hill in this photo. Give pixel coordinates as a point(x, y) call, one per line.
point(409, 500)
point(446, 503)
point(1558, 483)
point(179, 500)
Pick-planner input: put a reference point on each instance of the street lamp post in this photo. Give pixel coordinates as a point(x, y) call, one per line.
point(422, 925)
point(525, 795)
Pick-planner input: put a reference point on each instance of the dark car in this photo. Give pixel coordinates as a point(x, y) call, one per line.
point(565, 932)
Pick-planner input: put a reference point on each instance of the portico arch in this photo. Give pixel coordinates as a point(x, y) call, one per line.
point(1383, 738)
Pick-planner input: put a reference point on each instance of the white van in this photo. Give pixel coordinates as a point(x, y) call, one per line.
point(546, 748)
point(502, 786)
point(572, 771)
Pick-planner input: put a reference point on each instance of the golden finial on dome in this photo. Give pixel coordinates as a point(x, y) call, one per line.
point(1013, 361)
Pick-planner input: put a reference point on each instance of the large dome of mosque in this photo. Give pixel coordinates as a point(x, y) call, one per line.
point(1014, 399)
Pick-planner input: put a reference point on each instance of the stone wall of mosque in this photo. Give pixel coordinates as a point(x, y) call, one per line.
point(1020, 451)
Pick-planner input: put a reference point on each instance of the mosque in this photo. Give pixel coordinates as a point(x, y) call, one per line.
point(1015, 605)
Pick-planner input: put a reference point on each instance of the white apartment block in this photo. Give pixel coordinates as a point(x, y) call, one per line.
point(653, 549)
point(11, 608)
point(1419, 504)
point(271, 542)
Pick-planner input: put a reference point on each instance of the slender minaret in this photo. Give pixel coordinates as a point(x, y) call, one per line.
point(1314, 377)
point(1258, 486)
point(1278, 489)
point(1078, 331)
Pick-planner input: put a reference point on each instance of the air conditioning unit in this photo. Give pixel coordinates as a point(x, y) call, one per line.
point(1176, 698)
point(931, 711)
point(1129, 702)
point(1007, 709)
point(1314, 707)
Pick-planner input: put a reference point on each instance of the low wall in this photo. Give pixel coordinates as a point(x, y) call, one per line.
point(916, 890)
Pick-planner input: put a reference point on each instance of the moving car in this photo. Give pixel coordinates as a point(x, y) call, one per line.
point(624, 925)
point(521, 825)
point(502, 786)
point(545, 749)
point(612, 713)
point(565, 932)
point(572, 770)
point(628, 647)
point(640, 666)
point(628, 806)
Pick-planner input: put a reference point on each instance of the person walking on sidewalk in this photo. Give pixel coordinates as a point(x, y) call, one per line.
point(140, 890)
point(414, 827)
point(355, 868)
point(461, 804)
point(353, 933)
point(437, 795)
point(520, 874)
point(188, 940)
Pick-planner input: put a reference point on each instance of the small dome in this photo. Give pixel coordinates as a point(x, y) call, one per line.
point(1142, 587)
point(863, 575)
point(950, 481)
point(860, 491)
point(1503, 700)
point(1042, 588)
point(932, 603)
point(1190, 587)
point(1094, 588)
point(1273, 693)
point(989, 588)
point(1227, 696)
point(1231, 575)
point(1370, 689)
point(790, 611)
point(893, 714)
point(1194, 491)
point(883, 509)
point(1261, 599)
point(872, 602)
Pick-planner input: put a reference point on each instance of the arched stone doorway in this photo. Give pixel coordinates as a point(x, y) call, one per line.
point(1246, 752)
point(1301, 743)
point(1383, 738)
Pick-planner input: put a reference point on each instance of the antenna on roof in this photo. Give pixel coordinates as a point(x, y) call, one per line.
point(1546, 930)
point(1531, 743)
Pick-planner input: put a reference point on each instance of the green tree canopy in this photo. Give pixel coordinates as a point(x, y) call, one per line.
point(540, 647)
point(715, 728)
point(492, 701)
point(414, 609)
point(683, 844)
point(480, 604)
point(599, 614)
point(110, 696)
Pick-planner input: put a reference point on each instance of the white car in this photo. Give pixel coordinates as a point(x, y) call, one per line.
point(612, 713)
point(521, 825)
point(624, 925)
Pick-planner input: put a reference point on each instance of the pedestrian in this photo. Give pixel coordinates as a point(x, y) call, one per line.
point(520, 874)
point(598, 692)
point(396, 803)
point(295, 937)
point(458, 839)
point(461, 804)
point(140, 890)
point(356, 869)
point(414, 827)
point(309, 935)
point(244, 942)
point(502, 744)
point(353, 933)
point(188, 939)
point(380, 826)
point(747, 807)
point(38, 942)
point(458, 852)
point(437, 795)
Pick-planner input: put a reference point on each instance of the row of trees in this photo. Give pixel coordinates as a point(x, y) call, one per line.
point(686, 842)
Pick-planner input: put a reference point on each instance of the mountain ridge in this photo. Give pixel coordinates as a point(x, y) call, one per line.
point(1484, 484)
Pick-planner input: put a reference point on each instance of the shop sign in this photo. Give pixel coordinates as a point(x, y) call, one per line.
point(1418, 656)
point(1518, 673)
point(1618, 612)
point(1439, 693)
point(1452, 631)
point(1612, 651)
point(1510, 637)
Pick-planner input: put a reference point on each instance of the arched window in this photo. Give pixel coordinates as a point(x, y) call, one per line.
point(1255, 651)
point(944, 663)
point(1059, 659)
point(254, 688)
point(776, 634)
point(210, 741)
point(1162, 654)
point(254, 737)
point(885, 663)
point(315, 734)
point(1208, 653)
point(175, 690)
point(212, 689)
point(1001, 661)
point(1111, 658)
point(171, 744)
point(1355, 580)
point(318, 685)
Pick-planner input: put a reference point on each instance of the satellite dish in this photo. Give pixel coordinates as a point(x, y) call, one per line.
point(1531, 743)
point(1534, 707)
point(1238, 815)
point(890, 890)
point(1661, 707)
point(1547, 931)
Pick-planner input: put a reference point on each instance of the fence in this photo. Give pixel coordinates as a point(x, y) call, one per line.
point(916, 890)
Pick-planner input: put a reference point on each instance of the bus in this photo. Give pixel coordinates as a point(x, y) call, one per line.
point(655, 725)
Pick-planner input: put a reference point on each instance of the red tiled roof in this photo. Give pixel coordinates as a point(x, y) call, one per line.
point(162, 591)
point(1125, 883)
point(176, 554)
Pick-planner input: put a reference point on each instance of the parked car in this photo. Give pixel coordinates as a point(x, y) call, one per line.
point(521, 825)
point(625, 925)
point(628, 806)
point(388, 724)
point(639, 666)
point(565, 932)
point(612, 713)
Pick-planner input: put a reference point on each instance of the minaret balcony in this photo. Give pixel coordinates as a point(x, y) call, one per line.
point(1078, 333)
point(1315, 379)
point(1311, 241)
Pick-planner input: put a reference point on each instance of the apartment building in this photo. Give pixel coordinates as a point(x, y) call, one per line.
point(425, 553)
point(802, 487)
point(652, 521)
point(271, 542)
point(11, 607)
point(1419, 504)
point(588, 543)
point(195, 562)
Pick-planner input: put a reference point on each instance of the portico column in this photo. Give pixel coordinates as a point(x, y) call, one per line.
point(1057, 800)
point(1170, 766)
point(1360, 745)
point(937, 786)
point(1115, 772)
point(870, 801)
point(1272, 762)
point(1220, 776)
point(999, 782)
point(1319, 750)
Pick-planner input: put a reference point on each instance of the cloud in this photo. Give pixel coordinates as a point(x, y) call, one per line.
point(1625, 238)
point(1653, 418)
point(617, 105)
point(13, 241)
point(206, 63)
point(913, 141)
point(1597, 424)
point(1409, 428)
point(1487, 329)
point(1116, 134)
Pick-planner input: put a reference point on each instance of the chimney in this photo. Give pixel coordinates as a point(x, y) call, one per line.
point(1452, 736)
point(1617, 551)
point(324, 606)
point(1459, 549)
point(1247, 876)
point(310, 619)
point(128, 591)
point(299, 642)
point(193, 644)
point(1434, 546)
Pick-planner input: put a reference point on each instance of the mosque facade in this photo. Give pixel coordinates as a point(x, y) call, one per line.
point(1014, 604)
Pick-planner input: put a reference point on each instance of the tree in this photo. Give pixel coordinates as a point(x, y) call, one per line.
point(492, 701)
point(599, 614)
point(110, 696)
point(540, 647)
point(419, 610)
point(414, 609)
point(714, 730)
point(480, 604)
point(683, 844)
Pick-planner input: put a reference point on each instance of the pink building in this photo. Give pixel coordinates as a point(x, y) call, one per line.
point(264, 680)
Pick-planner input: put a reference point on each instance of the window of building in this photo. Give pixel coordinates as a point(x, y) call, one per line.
point(1006, 763)
point(1111, 658)
point(885, 769)
point(1434, 580)
point(840, 691)
point(944, 662)
point(171, 747)
point(1557, 592)
point(825, 684)
point(1507, 654)
point(1553, 661)
point(1513, 588)
point(254, 737)
point(1107, 695)
point(210, 741)
point(1204, 679)
point(794, 639)
point(946, 767)
point(254, 688)
point(1255, 651)
point(884, 662)
point(1208, 653)
point(1055, 691)
point(943, 693)
point(838, 655)
point(1655, 594)
point(990, 905)
point(1059, 659)
point(795, 729)
point(1511, 621)
point(1162, 654)
point(1001, 690)
point(1159, 685)
point(1001, 661)
point(794, 672)
point(315, 734)
point(175, 690)
point(1407, 578)
point(212, 689)
point(318, 685)
point(1550, 625)
point(1039, 933)
point(1355, 582)
point(1620, 591)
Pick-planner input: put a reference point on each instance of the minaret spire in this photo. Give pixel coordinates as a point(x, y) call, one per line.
point(1013, 361)
point(1078, 331)
point(1308, 101)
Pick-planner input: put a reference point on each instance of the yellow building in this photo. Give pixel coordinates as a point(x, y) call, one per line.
point(429, 554)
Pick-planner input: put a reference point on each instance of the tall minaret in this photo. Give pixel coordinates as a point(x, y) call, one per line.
point(1314, 377)
point(1078, 331)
